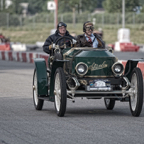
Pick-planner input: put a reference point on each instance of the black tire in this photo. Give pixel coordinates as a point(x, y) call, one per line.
point(109, 103)
point(136, 100)
point(38, 103)
point(60, 92)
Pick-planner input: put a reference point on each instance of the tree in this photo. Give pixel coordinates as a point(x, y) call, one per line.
point(15, 7)
point(99, 3)
point(141, 2)
point(142, 9)
point(116, 5)
point(84, 5)
point(142, 5)
point(37, 6)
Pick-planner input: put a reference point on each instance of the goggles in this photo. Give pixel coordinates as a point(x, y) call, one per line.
point(62, 27)
point(89, 28)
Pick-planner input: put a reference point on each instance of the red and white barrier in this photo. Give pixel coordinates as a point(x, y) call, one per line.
point(22, 56)
point(125, 46)
point(29, 58)
point(124, 43)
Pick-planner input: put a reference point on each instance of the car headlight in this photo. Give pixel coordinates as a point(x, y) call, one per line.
point(81, 68)
point(117, 69)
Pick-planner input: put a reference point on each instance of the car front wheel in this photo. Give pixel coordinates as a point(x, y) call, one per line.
point(60, 92)
point(136, 98)
point(38, 103)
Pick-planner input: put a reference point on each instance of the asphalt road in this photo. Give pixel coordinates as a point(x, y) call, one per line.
point(85, 121)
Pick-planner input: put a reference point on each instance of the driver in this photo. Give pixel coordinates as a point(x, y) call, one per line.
point(60, 32)
point(89, 39)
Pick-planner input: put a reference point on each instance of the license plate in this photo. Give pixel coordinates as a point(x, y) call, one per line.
point(100, 85)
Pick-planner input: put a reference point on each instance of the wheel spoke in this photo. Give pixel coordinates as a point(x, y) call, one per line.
point(58, 91)
point(35, 90)
point(133, 98)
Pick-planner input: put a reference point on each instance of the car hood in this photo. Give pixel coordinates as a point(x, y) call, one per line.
point(99, 61)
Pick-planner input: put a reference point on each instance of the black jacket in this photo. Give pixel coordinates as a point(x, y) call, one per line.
point(53, 38)
point(82, 42)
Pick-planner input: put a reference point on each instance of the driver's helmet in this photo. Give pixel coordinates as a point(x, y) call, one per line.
point(85, 24)
point(61, 24)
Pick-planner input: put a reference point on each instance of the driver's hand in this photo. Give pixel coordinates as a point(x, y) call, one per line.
point(74, 41)
point(51, 46)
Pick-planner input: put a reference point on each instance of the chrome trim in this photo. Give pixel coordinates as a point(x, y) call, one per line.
point(99, 76)
point(84, 82)
point(77, 84)
point(101, 92)
point(83, 64)
point(114, 71)
point(127, 83)
point(83, 92)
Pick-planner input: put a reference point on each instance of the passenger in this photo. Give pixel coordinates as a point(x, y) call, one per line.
point(60, 32)
point(89, 39)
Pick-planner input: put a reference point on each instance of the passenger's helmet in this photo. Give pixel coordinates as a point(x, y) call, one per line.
point(61, 24)
point(85, 24)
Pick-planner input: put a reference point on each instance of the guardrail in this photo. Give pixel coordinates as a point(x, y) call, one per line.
point(29, 58)
point(22, 56)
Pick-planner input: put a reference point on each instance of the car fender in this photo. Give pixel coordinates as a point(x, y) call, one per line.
point(130, 65)
point(42, 80)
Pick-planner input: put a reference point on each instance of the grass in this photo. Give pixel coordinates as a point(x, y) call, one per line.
point(39, 32)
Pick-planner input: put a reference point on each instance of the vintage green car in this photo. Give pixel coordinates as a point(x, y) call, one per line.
point(87, 72)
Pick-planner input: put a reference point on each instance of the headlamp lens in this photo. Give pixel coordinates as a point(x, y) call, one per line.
point(118, 68)
point(81, 68)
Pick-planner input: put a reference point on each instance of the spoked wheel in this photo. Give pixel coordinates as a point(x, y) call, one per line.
point(38, 103)
point(60, 92)
point(109, 103)
point(136, 98)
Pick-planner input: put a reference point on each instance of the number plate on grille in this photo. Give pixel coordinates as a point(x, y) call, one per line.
point(99, 85)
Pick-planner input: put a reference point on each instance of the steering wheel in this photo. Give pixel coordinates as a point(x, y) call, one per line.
point(64, 45)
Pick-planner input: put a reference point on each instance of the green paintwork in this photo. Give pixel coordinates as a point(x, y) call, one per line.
point(95, 58)
point(41, 71)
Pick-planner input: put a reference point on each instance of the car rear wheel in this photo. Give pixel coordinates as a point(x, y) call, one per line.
point(109, 103)
point(38, 103)
point(136, 99)
point(60, 92)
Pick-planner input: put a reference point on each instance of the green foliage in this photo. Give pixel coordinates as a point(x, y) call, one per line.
point(15, 7)
point(141, 2)
point(14, 20)
point(68, 17)
point(86, 5)
point(99, 3)
point(142, 9)
point(116, 5)
point(37, 6)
